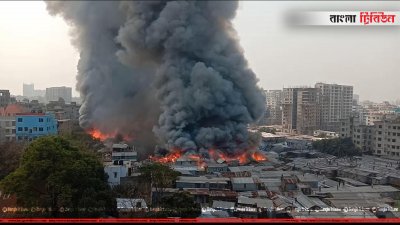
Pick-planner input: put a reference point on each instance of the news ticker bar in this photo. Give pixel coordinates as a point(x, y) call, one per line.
point(346, 18)
point(202, 220)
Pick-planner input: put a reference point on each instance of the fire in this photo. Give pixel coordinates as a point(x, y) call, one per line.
point(242, 158)
point(169, 158)
point(99, 135)
point(258, 156)
point(96, 133)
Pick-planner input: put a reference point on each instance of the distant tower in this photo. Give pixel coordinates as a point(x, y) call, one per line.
point(28, 90)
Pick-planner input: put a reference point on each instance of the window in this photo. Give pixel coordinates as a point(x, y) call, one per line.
point(40, 128)
point(40, 120)
point(115, 174)
point(19, 119)
point(379, 132)
point(379, 139)
point(393, 140)
point(379, 145)
point(13, 123)
point(380, 126)
point(19, 128)
point(25, 128)
point(35, 129)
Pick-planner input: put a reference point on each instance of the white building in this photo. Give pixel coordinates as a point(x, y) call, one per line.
point(115, 172)
point(54, 93)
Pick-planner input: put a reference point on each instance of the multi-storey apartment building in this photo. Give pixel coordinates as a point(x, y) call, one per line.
point(274, 107)
point(382, 138)
point(300, 110)
point(336, 103)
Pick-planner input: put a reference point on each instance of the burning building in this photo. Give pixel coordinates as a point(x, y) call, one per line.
point(166, 72)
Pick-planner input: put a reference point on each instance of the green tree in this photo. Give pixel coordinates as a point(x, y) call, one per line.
point(339, 147)
point(160, 176)
point(10, 155)
point(182, 204)
point(267, 130)
point(53, 174)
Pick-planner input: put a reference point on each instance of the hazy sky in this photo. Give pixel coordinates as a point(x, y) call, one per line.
point(35, 48)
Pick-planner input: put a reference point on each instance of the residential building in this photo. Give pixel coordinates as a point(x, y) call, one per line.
point(30, 126)
point(382, 138)
point(274, 107)
point(8, 121)
point(115, 173)
point(55, 93)
point(5, 98)
point(336, 103)
point(300, 110)
point(123, 154)
point(387, 134)
point(63, 110)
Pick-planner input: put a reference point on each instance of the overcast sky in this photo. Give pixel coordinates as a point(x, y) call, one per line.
point(35, 48)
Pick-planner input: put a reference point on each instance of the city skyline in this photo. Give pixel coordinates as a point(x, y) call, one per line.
point(275, 53)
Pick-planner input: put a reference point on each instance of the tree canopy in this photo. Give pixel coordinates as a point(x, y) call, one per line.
point(10, 154)
point(339, 147)
point(160, 176)
point(182, 204)
point(54, 174)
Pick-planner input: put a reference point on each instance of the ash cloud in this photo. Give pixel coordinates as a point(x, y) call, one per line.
point(178, 62)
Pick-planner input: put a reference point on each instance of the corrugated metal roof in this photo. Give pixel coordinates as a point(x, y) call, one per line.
point(223, 204)
point(242, 180)
point(259, 202)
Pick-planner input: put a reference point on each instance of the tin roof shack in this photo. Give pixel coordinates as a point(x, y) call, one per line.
point(358, 200)
point(211, 183)
point(289, 184)
point(217, 168)
point(223, 195)
point(225, 206)
point(188, 170)
point(243, 184)
point(331, 214)
point(308, 203)
point(272, 184)
point(307, 178)
point(254, 207)
point(186, 161)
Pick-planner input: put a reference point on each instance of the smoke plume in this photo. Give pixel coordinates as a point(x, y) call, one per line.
point(174, 68)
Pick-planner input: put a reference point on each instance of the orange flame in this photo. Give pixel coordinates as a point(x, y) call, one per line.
point(95, 133)
point(169, 158)
point(257, 156)
point(243, 158)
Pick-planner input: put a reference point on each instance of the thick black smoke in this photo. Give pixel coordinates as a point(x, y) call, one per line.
point(177, 61)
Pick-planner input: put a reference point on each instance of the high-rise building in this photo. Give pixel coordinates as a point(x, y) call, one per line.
point(28, 90)
point(54, 93)
point(274, 107)
point(336, 103)
point(5, 98)
point(300, 110)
